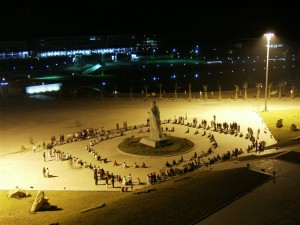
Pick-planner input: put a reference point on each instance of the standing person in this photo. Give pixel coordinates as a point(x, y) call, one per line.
point(44, 172)
point(129, 179)
point(47, 173)
point(33, 148)
point(96, 177)
point(44, 156)
point(112, 180)
point(106, 182)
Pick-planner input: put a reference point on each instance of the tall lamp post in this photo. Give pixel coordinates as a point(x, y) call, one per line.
point(268, 35)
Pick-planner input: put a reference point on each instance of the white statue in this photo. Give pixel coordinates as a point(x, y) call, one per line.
point(155, 129)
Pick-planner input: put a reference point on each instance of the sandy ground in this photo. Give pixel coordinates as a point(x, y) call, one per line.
point(23, 120)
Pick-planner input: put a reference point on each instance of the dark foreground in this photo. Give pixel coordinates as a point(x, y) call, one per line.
point(186, 199)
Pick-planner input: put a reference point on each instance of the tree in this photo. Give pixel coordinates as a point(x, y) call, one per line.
point(245, 86)
point(146, 91)
point(190, 91)
point(160, 93)
point(176, 87)
point(131, 89)
point(75, 92)
point(237, 88)
point(280, 87)
point(293, 91)
point(220, 91)
point(116, 92)
point(205, 90)
point(269, 89)
point(258, 86)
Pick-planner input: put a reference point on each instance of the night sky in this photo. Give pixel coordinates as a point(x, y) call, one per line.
point(175, 21)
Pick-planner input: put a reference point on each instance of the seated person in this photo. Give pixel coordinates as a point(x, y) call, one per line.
point(181, 159)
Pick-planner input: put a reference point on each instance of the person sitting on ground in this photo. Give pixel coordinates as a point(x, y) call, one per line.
point(168, 164)
point(143, 165)
point(174, 162)
point(115, 163)
point(124, 181)
point(181, 159)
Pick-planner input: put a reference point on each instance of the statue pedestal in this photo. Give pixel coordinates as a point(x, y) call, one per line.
point(155, 143)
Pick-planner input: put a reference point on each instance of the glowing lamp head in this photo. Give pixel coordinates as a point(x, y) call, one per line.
point(269, 35)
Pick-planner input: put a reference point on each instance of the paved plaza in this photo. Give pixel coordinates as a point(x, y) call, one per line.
point(24, 168)
point(75, 177)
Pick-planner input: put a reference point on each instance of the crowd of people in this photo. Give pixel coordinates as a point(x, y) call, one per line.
point(170, 169)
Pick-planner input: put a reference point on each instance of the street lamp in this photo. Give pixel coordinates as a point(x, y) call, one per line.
point(268, 35)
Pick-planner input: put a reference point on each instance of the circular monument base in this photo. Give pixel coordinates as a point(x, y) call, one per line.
point(155, 143)
point(177, 146)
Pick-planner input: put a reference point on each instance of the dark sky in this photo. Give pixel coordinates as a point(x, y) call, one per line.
point(176, 21)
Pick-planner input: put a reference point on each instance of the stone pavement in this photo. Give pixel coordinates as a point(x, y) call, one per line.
point(25, 169)
point(275, 202)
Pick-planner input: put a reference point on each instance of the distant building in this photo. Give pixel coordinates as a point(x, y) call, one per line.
point(86, 45)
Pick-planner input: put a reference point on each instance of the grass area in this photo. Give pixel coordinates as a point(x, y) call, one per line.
point(292, 156)
point(178, 145)
point(183, 200)
point(191, 199)
point(254, 157)
point(284, 134)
